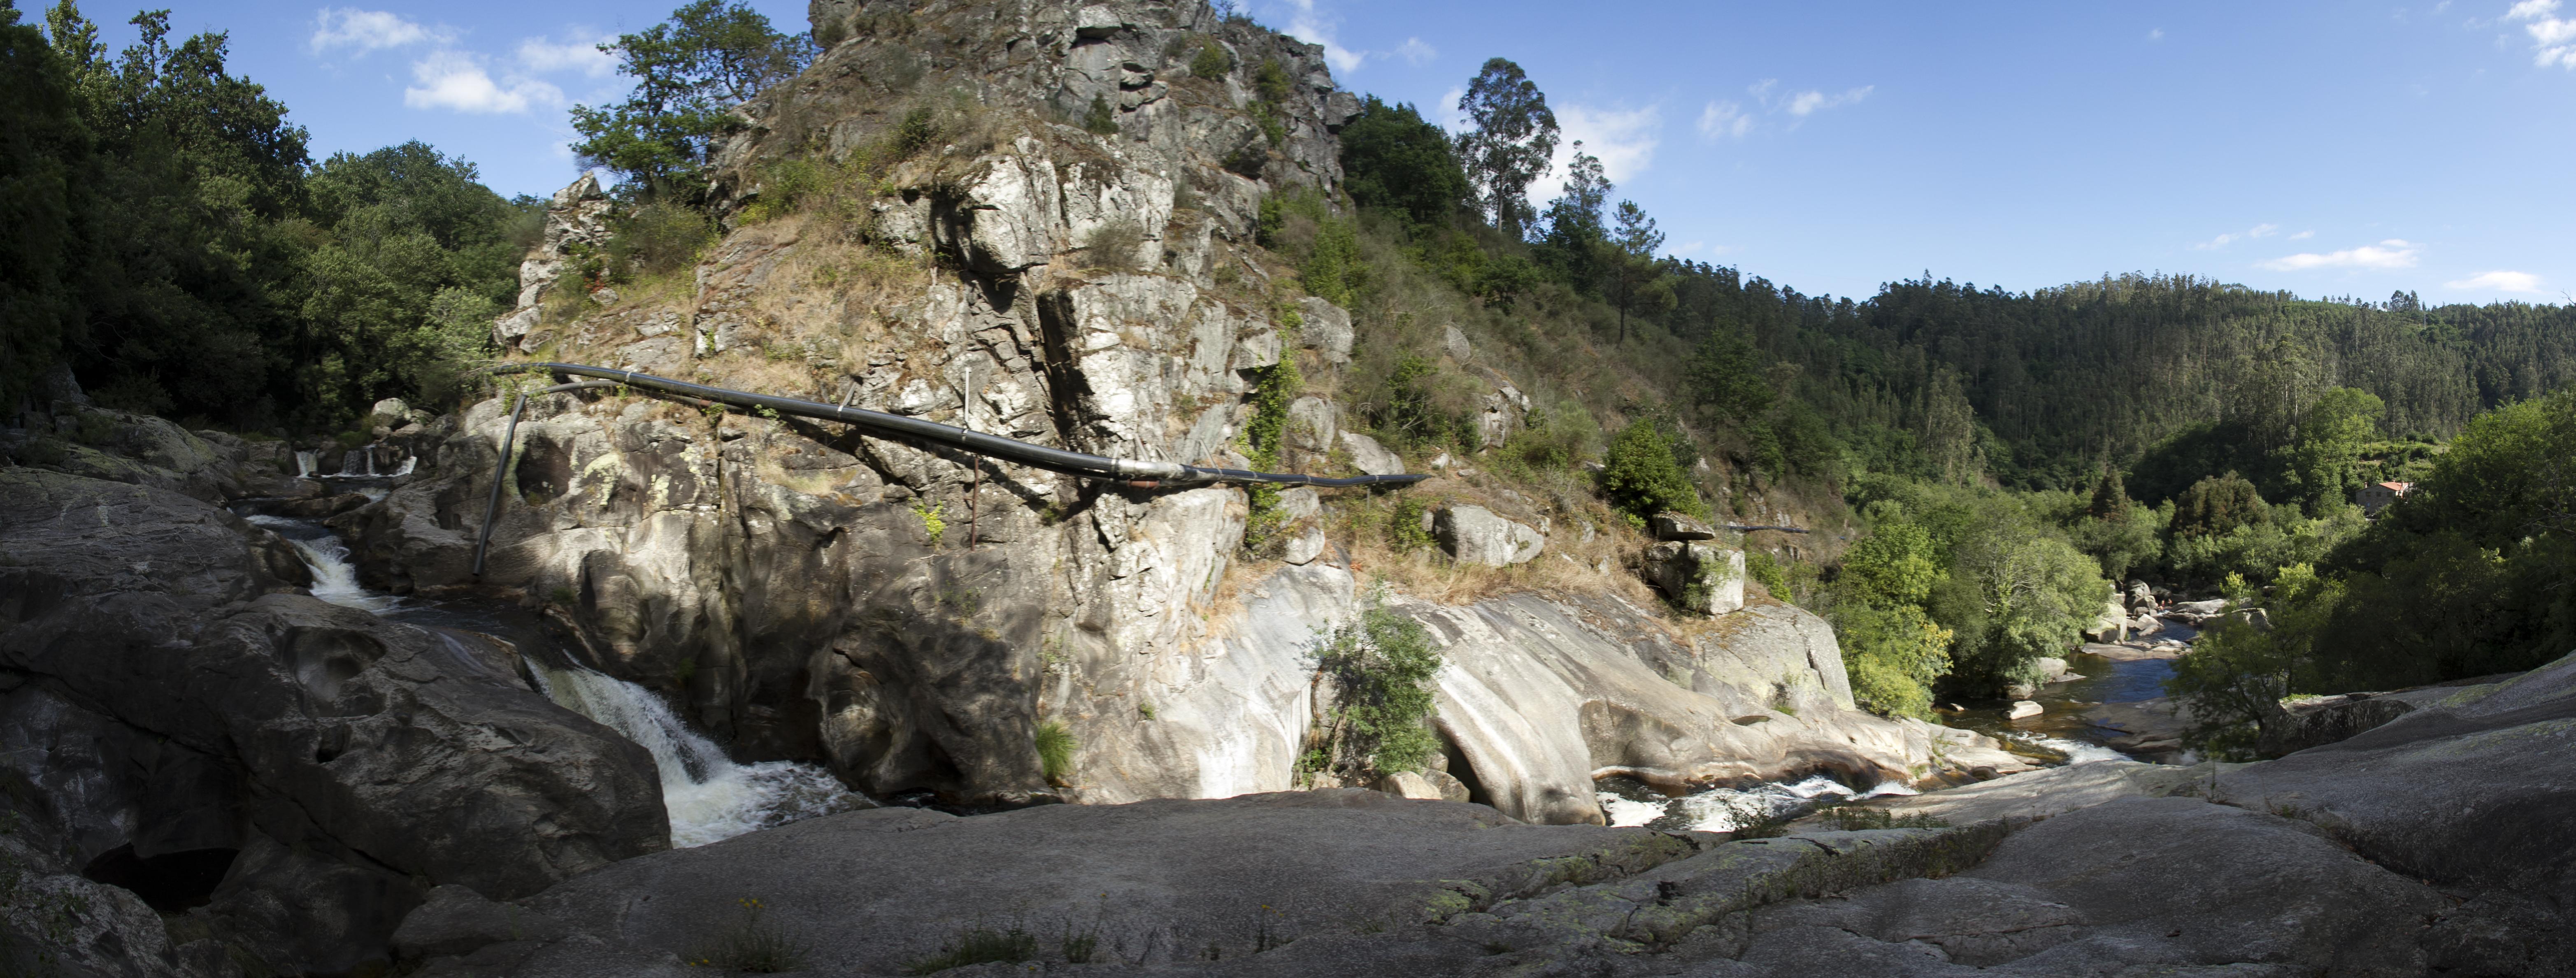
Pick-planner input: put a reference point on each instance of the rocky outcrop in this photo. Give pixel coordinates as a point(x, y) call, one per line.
point(196, 732)
point(1699, 577)
point(576, 224)
point(1474, 535)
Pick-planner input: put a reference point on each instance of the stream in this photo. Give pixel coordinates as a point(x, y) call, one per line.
point(710, 796)
point(2062, 734)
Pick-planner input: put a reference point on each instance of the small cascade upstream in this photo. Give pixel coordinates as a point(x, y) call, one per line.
point(1630, 803)
point(305, 461)
point(710, 797)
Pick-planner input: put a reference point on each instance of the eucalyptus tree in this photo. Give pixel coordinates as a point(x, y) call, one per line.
point(1514, 137)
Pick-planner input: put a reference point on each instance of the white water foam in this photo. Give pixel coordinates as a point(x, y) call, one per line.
point(1716, 810)
point(710, 797)
point(2076, 751)
point(306, 460)
point(334, 579)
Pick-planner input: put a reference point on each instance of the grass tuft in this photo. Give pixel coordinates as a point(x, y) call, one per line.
point(753, 944)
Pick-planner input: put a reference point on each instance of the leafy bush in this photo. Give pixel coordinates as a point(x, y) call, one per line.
point(1421, 407)
point(1100, 118)
point(1212, 62)
point(1393, 158)
point(1641, 476)
point(1381, 666)
point(658, 239)
point(1055, 746)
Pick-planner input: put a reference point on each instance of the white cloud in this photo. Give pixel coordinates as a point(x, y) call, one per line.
point(1624, 140)
point(2500, 281)
point(1724, 119)
point(2156, 34)
point(1318, 28)
point(2221, 241)
point(369, 30)
point(539, 54)
point(2392, 253)
point(456, 80)
point(1811, 101)
point(1413, 51)
point(2553, 38)
point(1450, 117)
point(2303, 236)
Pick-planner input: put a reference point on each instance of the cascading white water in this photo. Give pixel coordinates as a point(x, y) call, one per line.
point(408, 462)
point(1716, 810)
point(305, 461)
point(710, 797)
point(335, 579)
point(358, 461)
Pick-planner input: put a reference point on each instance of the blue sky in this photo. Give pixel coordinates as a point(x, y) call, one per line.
point(2324, 148)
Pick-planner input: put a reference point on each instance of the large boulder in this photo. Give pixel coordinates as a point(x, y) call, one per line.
point(1312, 424)
point(1327, 329)
point(1474, 535)
point(190, 720)
point(2112, 625)
point(1700, 577)
point(1370, 457)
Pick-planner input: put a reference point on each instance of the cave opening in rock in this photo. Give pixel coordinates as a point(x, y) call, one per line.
point(1460, 769)
point(169, 882)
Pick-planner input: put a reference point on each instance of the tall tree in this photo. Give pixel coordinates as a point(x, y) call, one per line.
point(1391, 158)
point(1638, 283)
point(1514, 137)
point(689, 72)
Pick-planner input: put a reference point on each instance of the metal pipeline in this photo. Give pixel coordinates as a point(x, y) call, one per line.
point(1033, 456)
point(492, 506)
point(1131, 472)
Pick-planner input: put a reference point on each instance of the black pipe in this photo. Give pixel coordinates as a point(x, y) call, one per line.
point(1034, 456)
point(501, 471)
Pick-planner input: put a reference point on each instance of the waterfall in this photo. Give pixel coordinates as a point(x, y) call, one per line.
point(408, 462)
point(1716, 810)
point(710, 797)
point(358, 461)
point(305, 461)
point(335, 579)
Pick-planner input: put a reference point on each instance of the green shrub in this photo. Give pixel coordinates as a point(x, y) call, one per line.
point(1100, 118)
point(1404, 533)
point(918, 131)
point(1055, 746)
point(658, 239)
point(1212, 62)
point(1641, 476)
point(1854, 818)
point(1381, 666)
point(1761, 566)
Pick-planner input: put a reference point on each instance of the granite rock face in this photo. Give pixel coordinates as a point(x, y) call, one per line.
point(195, 730)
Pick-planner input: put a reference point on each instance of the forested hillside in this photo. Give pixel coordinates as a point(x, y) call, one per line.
point(1992, 458)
